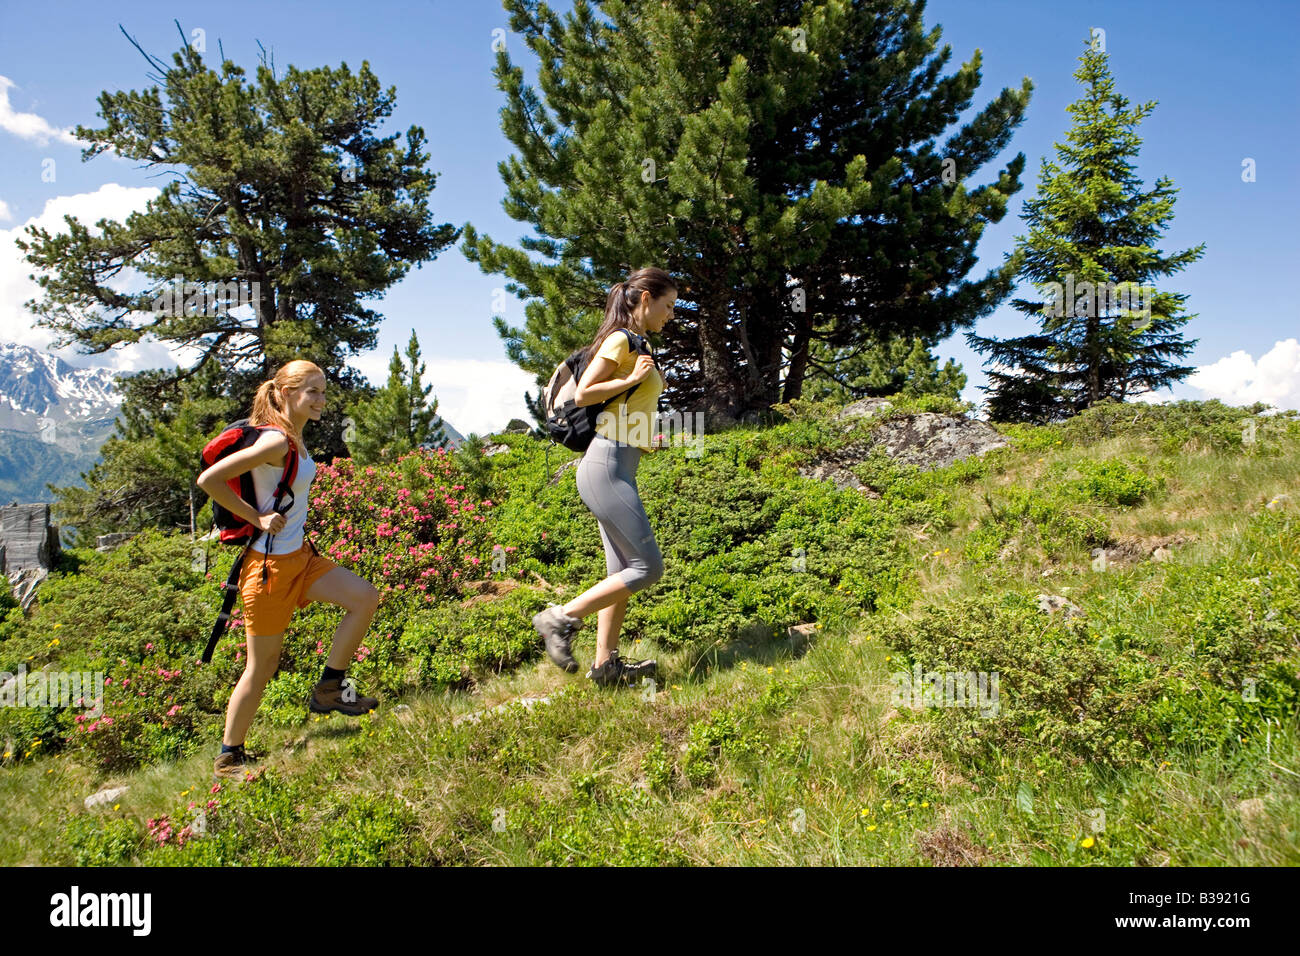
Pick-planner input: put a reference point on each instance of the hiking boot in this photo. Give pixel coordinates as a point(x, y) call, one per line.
point(233, 763)
point(556, 628)
point(618, 671)
point(341, 695)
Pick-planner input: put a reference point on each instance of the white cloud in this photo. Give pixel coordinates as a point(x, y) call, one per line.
point(29, 125)
point(110, 201)
point(1238, 379)
point(474, 395)
point(5, 214)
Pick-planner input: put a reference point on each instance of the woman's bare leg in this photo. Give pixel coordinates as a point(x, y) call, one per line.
point(359, 598)
point(610, 598)
point(611, 621)
point(263, 659)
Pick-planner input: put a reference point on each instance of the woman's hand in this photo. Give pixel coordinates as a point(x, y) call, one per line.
point(272, 522)
point(644, 364)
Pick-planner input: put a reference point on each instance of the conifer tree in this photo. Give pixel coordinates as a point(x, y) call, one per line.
point(1106, 331)
point(400, 416)
point(896, 366)
point(793, 164)
point(284, 204)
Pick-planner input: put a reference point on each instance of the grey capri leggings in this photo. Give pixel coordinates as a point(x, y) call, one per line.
point(607, 484)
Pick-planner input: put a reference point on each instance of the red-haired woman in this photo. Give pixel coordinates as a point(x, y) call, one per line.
point(295, 575)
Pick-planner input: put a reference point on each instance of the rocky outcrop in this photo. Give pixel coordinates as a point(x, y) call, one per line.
point(107, 542)
point(925, 439)
point(29, 548)
point(27, 537)
point(930, 440)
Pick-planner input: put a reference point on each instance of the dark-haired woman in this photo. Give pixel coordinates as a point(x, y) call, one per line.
point(606, 475)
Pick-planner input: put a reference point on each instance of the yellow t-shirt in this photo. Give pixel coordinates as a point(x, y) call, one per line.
point(630, 418)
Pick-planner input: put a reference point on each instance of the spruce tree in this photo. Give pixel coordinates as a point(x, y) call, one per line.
point(793, 164)
point(1106, 331)
point(399, 417)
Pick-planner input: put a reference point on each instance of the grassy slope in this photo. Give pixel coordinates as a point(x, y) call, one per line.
point(760, 751)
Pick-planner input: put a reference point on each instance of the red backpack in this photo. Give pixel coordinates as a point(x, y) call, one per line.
point(234, 529)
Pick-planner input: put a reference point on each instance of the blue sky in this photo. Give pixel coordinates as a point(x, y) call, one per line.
point(1224, 77)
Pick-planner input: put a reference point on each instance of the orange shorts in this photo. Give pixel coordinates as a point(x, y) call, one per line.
point(268, 610)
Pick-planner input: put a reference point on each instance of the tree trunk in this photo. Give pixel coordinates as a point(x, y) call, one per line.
point(723, 390)
point(794, 376)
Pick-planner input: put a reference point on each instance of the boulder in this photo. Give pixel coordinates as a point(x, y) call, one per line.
point(864, 408)
point(107, 542)
point(104, 796)
point(930, 440)
point(28, 538)
point(25, 583)
point(1051, 603)
point(925, 439)
point(571, 463)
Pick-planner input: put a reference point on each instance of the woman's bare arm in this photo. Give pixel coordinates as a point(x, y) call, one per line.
point(593, 388)
point(270, 448)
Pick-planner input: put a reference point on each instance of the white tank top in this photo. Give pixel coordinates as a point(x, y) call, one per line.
point(265, 478)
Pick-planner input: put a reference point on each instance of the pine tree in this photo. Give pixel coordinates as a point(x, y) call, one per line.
point(283, 197)
point(896, 366)
point(1105, 330)
point(399, 418)
point(791, 163)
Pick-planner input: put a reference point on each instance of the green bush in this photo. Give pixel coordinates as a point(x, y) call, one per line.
point(95, 839)
point(1217, 663)
point(1114, 483)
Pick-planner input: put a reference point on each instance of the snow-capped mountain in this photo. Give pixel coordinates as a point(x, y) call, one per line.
point(53, 419)
point(37, 389)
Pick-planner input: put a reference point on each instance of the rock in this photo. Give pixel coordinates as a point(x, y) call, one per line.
point(1051, 603)
point(801, 635)
point(864, 408)
point(827, 470)
point(517, 426)
point(24, 585)
point(499, 448)
point(105, 796)
point(572, 463)
point(29, 540)
point(930, 440)
point(1279, 502)
point(107, 542)
point(1161, 554)
point(528, 702)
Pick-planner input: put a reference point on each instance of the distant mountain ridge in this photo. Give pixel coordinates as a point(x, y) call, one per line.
point(35, 385)
point(54, 417)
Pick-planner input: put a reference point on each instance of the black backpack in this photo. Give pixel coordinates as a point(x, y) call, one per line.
point(234, 529)
point(571, 425)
